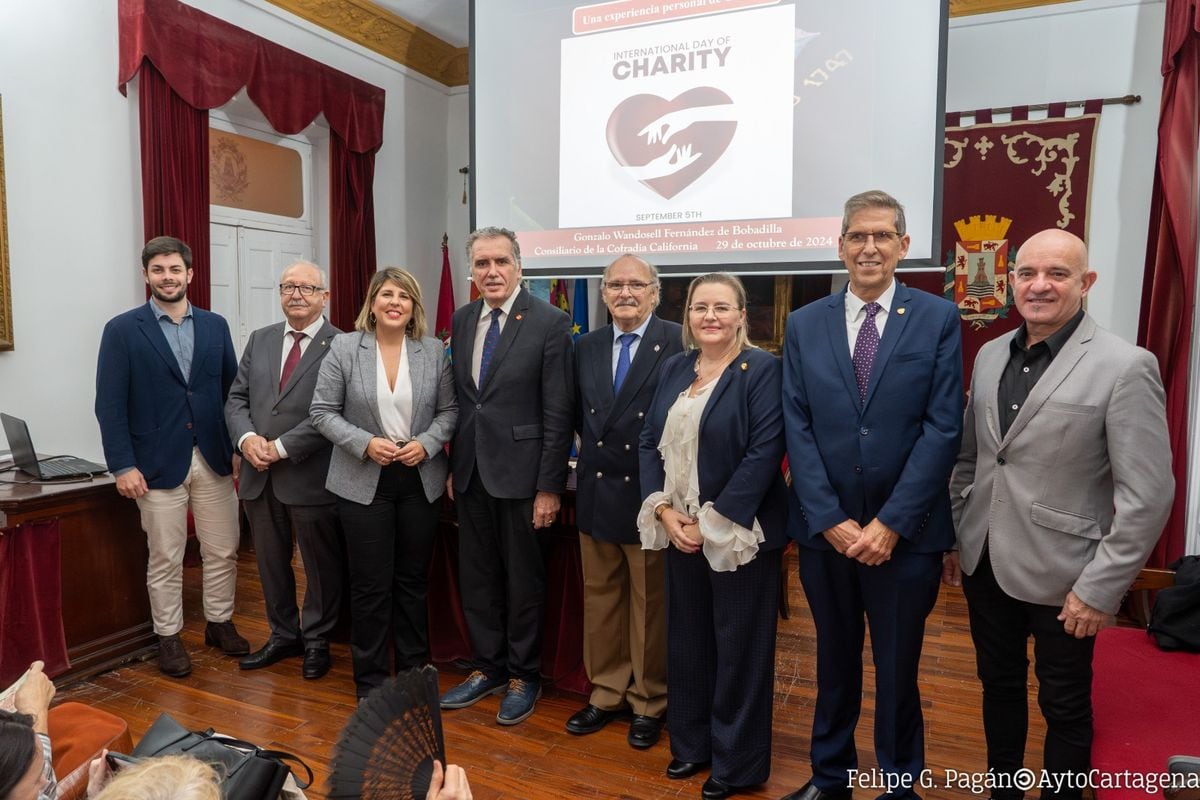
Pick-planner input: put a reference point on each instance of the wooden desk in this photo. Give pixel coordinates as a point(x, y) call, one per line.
point(102, 563)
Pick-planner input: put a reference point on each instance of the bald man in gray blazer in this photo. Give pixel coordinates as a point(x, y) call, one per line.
point(1059, 493)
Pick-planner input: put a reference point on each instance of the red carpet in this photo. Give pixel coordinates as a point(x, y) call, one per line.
point(1147, 707)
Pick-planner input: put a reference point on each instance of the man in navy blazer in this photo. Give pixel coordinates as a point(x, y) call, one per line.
point(624, 608)
point(162, 377)
point(515, 387)
point(872, 402)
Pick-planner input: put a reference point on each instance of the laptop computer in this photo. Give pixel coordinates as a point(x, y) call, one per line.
point(25, 456)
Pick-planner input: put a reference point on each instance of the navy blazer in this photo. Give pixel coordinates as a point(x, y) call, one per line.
point(888, 457)
point(149, 413)
point(608, 492)
point(741, 441)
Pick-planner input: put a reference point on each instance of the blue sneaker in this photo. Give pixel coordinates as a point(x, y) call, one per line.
point(476, 687)
point(519, 701)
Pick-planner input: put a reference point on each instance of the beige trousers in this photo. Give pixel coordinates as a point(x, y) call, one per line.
point(624, 626)
point(164, 518)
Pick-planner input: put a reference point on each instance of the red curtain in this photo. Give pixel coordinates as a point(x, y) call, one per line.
point(352, 230)
point(175, 174)
point(1168, 288)
point(31, 624)
point(205, 61)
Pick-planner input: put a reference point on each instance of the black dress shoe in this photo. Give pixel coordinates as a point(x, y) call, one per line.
point(590, 719)
point(316, 663)
point(644, 731)
point(810, 792)
point(678, 770)
point(269, 653)
point(714, 789)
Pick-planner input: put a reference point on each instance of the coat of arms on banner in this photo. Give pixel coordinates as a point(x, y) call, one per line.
point(977, 275)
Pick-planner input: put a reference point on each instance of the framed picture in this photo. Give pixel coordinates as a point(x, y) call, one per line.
point(6, 325)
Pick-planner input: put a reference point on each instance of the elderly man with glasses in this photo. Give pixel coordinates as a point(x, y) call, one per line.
point(284, 487)
point(624, 622)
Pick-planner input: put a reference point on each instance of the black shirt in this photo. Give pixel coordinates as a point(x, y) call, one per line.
point(1026, 366)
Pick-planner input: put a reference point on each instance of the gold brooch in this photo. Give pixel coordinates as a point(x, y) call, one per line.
point(745, 366)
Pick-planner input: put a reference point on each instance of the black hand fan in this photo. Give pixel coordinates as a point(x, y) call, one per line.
point(387, 749)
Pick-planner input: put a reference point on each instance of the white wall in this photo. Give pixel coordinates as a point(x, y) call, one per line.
point(1078, 51)
point(74, 192)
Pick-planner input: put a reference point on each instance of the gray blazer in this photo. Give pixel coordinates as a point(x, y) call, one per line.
point(346, 411)
point(256, 404)
point(1075, 495)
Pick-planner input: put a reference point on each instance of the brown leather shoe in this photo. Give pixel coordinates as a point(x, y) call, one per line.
point(226, 637)
point(172, 657)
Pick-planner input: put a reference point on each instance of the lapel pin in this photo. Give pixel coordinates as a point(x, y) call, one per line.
point(745, 366)
point(657, 347)
point(899, 310)
point(518, 317)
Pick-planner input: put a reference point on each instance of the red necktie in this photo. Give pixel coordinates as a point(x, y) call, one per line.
point(293, 358)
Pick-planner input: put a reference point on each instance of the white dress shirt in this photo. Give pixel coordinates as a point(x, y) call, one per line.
point(485, 322)
point(395, 404)
point(640, 330)
point(856, 312)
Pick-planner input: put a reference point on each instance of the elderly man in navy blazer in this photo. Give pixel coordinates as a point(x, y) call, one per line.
point(515, 387)
point(162, 377)
point(624, 614)
point(284, 490)
point(872, 403)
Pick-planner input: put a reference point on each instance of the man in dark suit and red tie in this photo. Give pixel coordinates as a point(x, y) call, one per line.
point(283, 488)
point(872, 403)
point(162, 376)
point(624, 614)
point(515, 383)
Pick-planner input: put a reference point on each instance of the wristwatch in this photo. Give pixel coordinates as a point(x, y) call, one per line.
point(659, 509)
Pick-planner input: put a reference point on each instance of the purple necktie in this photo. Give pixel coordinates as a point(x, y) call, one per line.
point(865, 348)
point(489, 344)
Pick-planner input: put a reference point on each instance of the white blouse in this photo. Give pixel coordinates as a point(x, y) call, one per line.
point(395, 406)
point(727, 545)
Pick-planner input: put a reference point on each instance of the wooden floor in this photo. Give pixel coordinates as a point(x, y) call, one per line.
point(276, 708)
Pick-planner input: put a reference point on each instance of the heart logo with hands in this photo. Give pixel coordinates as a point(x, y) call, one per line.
point(668, 144)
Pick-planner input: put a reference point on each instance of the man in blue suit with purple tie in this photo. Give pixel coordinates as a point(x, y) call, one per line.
point(872, 403)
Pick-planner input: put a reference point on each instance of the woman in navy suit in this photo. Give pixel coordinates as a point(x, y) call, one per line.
point(385, 398)
point(715, 498)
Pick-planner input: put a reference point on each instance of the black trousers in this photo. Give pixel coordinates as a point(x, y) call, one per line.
point(390, 544)
point(318, 537)
point(1000, 628)
point(721, 663)
point(502, 572)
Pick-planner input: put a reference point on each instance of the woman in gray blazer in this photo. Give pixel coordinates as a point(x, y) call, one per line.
point(385, 398)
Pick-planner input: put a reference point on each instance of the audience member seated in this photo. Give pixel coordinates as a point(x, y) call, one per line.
point(450, 784)
point(26, 767)
point(161, 778)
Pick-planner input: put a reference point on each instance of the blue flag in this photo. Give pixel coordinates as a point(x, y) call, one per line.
point(579, 309)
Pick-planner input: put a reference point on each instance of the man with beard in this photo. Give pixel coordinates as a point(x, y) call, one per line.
point(163, 374)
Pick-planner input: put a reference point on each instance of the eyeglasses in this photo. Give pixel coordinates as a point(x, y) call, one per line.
point(859, 238)
point(719, 310)
point(634, 287)
point(303, 288)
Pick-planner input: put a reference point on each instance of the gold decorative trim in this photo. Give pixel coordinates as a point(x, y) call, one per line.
point(6, 321)
point(387, 34)
point(1059, 150)
point(964, 8)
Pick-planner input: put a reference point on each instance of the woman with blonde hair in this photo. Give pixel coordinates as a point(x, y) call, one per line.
point(385, 398)
point(161, 778)
point(710, 457)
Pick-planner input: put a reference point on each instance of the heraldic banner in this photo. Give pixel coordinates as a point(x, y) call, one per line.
point(1004, 182)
